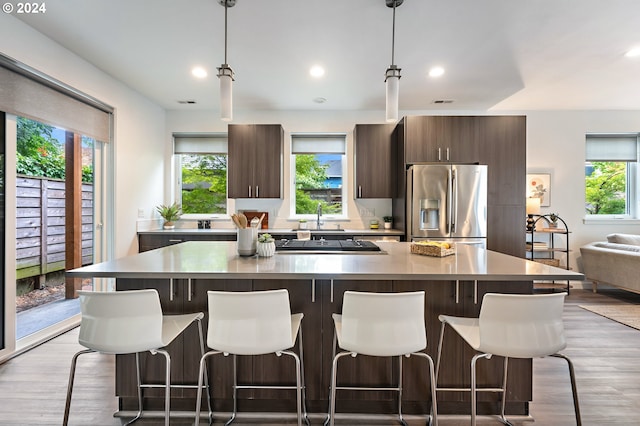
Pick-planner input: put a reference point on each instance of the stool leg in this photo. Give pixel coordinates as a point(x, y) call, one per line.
point(167, 385)
point(433, 421)
point(206, 374)
point(304, 386)
point(438, 357)
point(201, 373)
point(332, 395)
point(235, 390)
point(574, 389)
point(473, 386)
point(400, 391)
point(298, 383)
point(333, 355)
point(503, 403)
point(139, 382)
point(72, 374)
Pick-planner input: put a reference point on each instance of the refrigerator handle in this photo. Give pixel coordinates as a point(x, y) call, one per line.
point(454, 201)
point(449, 200)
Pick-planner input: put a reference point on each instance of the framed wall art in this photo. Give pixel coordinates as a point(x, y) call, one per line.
point(539, 186)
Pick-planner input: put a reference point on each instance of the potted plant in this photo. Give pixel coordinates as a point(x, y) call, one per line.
point(302, 224)
point(170, 214)
point(266, 245)
point(388, 222)
point(554, 220)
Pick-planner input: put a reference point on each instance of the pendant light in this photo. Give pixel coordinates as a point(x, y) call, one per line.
point(392, 75)
point(225, 73)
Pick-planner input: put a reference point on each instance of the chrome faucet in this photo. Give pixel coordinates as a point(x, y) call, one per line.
point(319, 213)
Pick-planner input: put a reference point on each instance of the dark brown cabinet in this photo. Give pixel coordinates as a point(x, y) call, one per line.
point(374, 159)
point(448, 139)
point(150, 241)
point(254, 168)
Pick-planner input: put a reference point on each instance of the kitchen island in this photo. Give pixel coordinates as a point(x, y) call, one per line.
point(454, 285)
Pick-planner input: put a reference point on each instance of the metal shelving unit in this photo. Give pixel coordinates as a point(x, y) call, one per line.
point(548, 244)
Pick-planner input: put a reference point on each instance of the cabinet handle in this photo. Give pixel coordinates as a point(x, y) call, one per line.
point(475, 292)
point(447, 154)
point(359, 191)
point(331, 291)
point(313, 291)
point(439, 154)
point(171, 289)
point(175, 241)
point(249, 191)
point(189, 289)
point(457, 292)
point(257, 191)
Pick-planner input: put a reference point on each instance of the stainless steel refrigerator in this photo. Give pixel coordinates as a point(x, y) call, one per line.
point(447, 202)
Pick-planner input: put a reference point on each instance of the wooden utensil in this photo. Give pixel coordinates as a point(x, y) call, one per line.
point(236, 220)
point(260, 221)
point(243, 220)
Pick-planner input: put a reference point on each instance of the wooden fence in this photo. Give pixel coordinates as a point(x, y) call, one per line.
point(40, 233)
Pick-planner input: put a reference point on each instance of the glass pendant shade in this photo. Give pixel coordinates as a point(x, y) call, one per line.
point(393, 92)
point(225, 74)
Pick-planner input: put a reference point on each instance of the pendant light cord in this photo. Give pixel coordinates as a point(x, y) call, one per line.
point(393, 33)
point(225, 31)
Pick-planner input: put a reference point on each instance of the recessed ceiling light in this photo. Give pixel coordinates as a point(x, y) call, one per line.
point(316, 71)
point(633, 53)
point(199, 72)
point(436, 72)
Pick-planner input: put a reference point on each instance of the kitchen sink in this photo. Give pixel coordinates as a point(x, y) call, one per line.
point(319, 230)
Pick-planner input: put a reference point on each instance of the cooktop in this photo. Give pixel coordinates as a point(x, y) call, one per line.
point(325, 245)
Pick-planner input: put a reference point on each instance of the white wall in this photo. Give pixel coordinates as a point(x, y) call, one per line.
point(139, 139)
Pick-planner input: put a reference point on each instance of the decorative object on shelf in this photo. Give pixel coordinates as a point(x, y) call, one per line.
point(266, 246)
point(433, 248)
point(388, 222)
point(170, 213)
point(553, 220)
point(302, 224)
point(373, 224)
point(539, 186)
point(392, 75)
point(533, 208)
point(548, 243)
point(225, 73)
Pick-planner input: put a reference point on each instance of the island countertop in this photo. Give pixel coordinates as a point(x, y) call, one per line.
point(219, 259)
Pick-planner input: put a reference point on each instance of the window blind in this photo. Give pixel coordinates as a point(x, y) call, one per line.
point(28, 93)
point(612, 147)
point(318, 144)
point(200, 143)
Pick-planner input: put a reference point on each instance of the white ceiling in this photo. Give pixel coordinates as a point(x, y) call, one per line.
point(501, 54)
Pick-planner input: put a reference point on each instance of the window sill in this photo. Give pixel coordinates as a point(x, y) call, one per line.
point(611, 221)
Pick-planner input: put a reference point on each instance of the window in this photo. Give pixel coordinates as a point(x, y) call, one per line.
point(611, 178)
point(319, 162)
point(201, 168)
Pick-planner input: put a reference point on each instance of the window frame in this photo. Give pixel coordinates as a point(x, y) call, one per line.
point(344, 170)
point(632, 179)
point(219, 137)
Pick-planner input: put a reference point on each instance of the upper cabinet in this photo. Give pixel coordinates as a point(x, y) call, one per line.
point(254, 168)
point(374, 159)
point(439, 139)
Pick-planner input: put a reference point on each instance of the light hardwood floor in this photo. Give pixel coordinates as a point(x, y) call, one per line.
point(606, 357)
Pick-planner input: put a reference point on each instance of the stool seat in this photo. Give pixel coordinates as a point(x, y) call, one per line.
point(511, 326)
point(129, 322)
point(385, 325)
point(253, 323)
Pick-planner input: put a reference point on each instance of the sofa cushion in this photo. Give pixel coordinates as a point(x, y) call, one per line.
point(624, 239)
point(616, 246)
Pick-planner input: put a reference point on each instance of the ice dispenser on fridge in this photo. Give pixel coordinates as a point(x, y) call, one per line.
point(429, 214)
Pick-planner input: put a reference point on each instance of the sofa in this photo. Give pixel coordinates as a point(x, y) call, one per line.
point(614, 262)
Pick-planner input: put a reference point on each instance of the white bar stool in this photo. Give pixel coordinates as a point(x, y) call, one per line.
point(385, 325)
point(126, 322)
point(253, 323)
point(512, 326)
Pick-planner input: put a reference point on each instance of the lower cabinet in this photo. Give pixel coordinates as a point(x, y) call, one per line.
point(318, 300)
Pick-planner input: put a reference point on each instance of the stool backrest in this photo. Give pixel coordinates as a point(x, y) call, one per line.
point(522, 325)
point(383, 324)
point(120, 322)
point(249, 323)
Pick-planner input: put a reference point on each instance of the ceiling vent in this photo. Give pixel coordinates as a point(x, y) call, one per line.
point(442, 101)
point(187, 102)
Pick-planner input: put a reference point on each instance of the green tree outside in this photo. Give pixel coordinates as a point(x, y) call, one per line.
point(40, 154)
point(606, 188)
point(311, 175)
point(204, 183)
